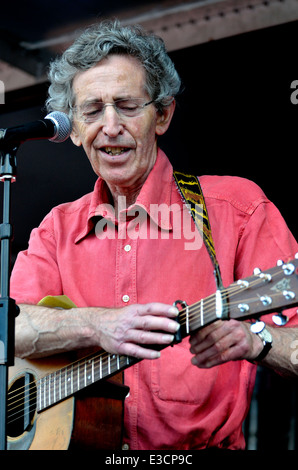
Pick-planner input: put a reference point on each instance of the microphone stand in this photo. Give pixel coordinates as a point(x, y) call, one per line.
point(8, 308)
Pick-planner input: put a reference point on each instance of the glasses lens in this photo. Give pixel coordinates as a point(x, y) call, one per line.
point(125, 108)
point(130, 108)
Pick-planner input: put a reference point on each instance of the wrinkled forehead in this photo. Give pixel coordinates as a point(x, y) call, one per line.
point(114, 77)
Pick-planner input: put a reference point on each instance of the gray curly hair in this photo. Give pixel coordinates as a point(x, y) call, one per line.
point(110, 37)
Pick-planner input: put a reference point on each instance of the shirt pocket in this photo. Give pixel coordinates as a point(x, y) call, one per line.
point(175, 379)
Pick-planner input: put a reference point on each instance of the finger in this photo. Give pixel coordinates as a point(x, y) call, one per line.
point(157, 308)
point(151, 323)
point(234, 353)
point(149, 337)
point(208, 336)
point(234, 346)
point(217, 353)
point(134, 350)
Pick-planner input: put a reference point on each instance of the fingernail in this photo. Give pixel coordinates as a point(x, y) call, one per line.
point(155, 354)
point(168, 338)
point(175, 326)
point(174, 311)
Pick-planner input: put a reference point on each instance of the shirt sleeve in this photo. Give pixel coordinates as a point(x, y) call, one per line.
point(36, 273)
point(265, 239)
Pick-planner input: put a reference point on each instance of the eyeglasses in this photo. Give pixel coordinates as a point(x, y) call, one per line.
point(94, 111)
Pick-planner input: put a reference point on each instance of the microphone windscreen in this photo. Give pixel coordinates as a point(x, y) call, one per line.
point(62, 124)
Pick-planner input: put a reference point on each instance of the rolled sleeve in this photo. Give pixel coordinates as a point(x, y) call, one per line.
point(36, 273)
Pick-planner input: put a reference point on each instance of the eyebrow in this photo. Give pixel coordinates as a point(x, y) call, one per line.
point(95, 100)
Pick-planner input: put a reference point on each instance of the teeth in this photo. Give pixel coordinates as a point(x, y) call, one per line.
point(115, 150)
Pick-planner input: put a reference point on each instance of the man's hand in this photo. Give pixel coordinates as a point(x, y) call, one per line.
point(43, 331)
point(224, 341)
point(125, 330)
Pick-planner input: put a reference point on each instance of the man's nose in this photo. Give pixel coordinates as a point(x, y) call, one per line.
point(111, 121)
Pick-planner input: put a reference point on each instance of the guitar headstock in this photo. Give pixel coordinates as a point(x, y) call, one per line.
point(265, 292)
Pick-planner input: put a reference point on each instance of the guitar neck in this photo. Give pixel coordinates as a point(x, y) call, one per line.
point(69, 380)
point(64, 383)
point(256, 295)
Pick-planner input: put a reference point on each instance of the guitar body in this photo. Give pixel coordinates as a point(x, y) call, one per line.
point(91, 419)
point(65, 401)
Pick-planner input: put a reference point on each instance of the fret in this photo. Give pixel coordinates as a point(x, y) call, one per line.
point(81, 375)
point(39, 395)
point(85, 374)
point(44, 393)
point(100, 367)
point(49, 389)
point(109, 364)
point(88, 372)
point(61, 384)
point(202, 313)
point(187, 320)
point(78, 378)
point(92, 366)
point(65, 382)
point(70, 379)
point(54, 387)
point(59, 388)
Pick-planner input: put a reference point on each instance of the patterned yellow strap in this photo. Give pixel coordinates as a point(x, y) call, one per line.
point(192, 193)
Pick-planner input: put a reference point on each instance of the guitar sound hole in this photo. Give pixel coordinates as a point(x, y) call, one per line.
point(21, 405)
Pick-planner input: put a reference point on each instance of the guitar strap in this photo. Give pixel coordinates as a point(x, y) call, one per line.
point(191, 191)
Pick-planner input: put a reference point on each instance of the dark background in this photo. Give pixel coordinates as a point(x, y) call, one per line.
point(235, 117)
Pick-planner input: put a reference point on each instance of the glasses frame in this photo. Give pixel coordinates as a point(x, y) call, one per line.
point(114, 105)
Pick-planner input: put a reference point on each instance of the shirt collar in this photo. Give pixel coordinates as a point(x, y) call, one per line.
point(155, 194)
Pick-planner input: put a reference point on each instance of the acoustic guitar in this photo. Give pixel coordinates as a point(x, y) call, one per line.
point(49, 404)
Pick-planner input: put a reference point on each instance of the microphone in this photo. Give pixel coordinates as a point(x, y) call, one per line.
point(56, 127)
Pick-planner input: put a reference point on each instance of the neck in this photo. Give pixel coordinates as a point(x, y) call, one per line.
point(123, 199)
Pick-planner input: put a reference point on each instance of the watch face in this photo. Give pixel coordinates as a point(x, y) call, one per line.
point(266, 336)
point(257, 327)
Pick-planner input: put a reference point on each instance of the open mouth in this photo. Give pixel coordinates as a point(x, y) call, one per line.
point(114, 151)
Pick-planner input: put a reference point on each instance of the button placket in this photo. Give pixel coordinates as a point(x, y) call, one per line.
point(125, 266)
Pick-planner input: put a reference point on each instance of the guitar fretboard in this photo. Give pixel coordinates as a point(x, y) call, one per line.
point(63, 383)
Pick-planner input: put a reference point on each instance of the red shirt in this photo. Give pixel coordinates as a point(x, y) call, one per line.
point(172, 404)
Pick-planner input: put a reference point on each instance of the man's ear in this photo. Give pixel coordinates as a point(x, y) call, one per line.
point(164, 119)
point(75, 137)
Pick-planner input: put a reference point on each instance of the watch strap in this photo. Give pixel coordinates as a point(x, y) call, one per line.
point(259, 328)
point(264, 352)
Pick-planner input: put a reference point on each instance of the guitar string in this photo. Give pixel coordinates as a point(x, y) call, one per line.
point(83, 361)
point(79, 362)
point(211, 298)
point(106, 369)
point(235, 289)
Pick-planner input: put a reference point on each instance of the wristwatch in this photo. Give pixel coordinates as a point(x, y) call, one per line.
point(259, 328)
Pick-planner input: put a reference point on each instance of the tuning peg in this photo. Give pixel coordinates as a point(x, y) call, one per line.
point(279, 262)
point(265, 276)
point(280, 319)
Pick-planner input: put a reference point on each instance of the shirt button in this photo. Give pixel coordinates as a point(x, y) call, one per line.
point(125, 298)
point(127, 248)
point(125, 447)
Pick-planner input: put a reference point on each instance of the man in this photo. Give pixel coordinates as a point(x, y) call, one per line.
point(123, 254)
